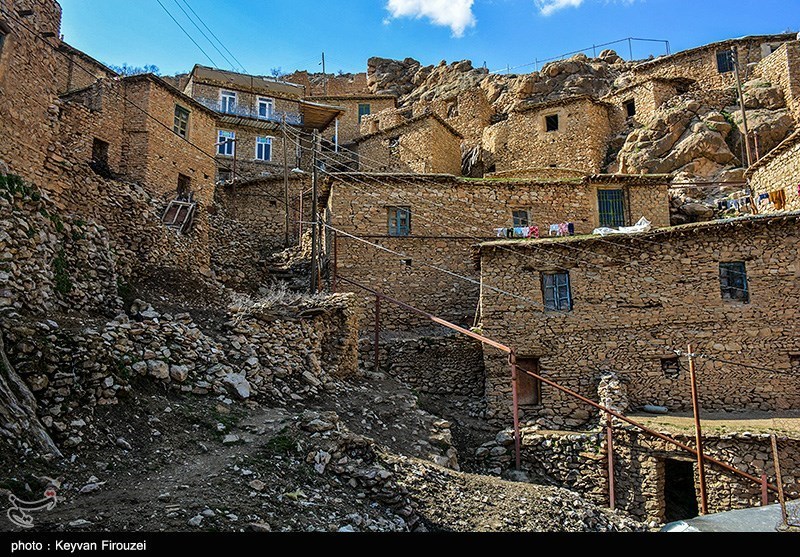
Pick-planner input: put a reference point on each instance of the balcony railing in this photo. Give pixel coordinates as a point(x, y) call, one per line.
point(292, 118)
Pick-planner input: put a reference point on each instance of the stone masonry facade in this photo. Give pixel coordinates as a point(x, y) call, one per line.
point(354, 105)
point(634, 302)
point(782, 68)
point(779, 170)
point(449, 216)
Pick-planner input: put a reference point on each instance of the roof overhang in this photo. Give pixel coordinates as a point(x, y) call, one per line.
point(317, 116)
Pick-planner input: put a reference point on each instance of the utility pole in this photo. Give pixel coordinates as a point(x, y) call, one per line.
point(315, 216)
point(779, 479)
point(324, 75)
point(701, 468)
point(738, 74)
point(286, 185)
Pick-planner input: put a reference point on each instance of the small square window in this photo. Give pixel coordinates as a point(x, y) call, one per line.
point(794, 361)
point(181, 125)
point(733, 280)
point(671, 367)
point(529, 389)
point(725, 61)
point(630, 108)
point(363, 110)
point(399, 221)
point(557, 292)
point(551, 123)
point(184, 187)
point(521, 217)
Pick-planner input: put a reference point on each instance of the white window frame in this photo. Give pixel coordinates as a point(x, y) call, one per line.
point(270, 103)
point(225, 98)
point(222, 150)
point(264, 140)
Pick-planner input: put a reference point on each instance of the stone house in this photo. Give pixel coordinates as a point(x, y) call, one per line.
point(356, 107)
point(423, 144)
point(635, 105)
point(782, 68)
point(438, 220)
point(711, 65)
point(572, 133)
point(77, 70)
point(250, 111)
point(469, 113)
point(624, 304)
point(778, 171)
point(27, 57)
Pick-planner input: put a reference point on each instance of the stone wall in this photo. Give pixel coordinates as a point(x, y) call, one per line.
point(782, 68)
point(647, 97)
point(448, 218)
point(779, 170)
point(700, 64)
point(247, 167)
point(422, 145)
point(637, 299)
point(581, 141)
point(248, 226)
point(349, 125)
point(330, 84)
point(451, 365)
point(579, 461)
point(248, 100)
point(76, 70)
point(470, 112)
point(263, 353)
point(27, 80)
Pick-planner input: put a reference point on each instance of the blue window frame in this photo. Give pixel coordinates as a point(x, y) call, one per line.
point(522, 217)
point(611, 204)
point(399, 221)
point(733, 281)
point(364, 110)
point(557, 291)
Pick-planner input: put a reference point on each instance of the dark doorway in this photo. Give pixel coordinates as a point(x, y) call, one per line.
point(680, 498)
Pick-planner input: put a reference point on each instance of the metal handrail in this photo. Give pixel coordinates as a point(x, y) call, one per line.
point(277, 116)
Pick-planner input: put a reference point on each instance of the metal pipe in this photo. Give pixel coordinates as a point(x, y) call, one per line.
point(512, 359)
point(764, 491)
point(377, 332)
point(286, 185)
point(701, 466)
point(315, 220)
point(335, 261)
point(612, 502)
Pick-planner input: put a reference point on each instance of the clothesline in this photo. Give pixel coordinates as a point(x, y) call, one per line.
point(561, 229)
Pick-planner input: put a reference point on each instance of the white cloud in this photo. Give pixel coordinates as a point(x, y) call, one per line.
point(455, 14)
point(547, 7)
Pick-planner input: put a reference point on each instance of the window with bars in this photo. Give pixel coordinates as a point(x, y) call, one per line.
point(725, 61)
point(226, 143)
point(522, 217)
point(733, 281)
point(181, 125)
point(611, 206)
point(557, 291)
point(399, 221)
point(364, 110)
point(264, 149)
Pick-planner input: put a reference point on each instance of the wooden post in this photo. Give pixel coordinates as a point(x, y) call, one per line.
point(287, 222)
point(314, 218)
point(779, 479)
point(612, 502)
point(737, 73)
point(701, 468)
point(515, 400)
point(335, 261)
point(764, 490)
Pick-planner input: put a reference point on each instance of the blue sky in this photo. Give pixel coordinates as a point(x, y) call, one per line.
point(291, 34)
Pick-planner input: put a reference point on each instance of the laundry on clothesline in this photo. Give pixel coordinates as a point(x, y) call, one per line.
point(773, 201)
point(518, 232)
point(643, 225)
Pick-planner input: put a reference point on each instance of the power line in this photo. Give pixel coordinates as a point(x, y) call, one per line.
point(187, 33)
point(200, 19)
point(228, 60)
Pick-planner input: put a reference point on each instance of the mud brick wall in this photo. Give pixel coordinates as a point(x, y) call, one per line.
point(700, 64)
point(425, 146)
point(248, 226)
point(27, 81)
point(349, 126)
point(637, 299)
point(451, 365)
point(580, 143)
point(579, 461)
point(449, 217)
point(782, 68)
point(779, 170)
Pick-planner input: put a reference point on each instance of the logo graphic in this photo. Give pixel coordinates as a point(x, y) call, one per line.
point(19, 513)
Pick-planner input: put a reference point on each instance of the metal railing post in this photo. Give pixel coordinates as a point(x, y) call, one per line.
point(701, 465)
point(377, 332)
point(512, 359)
point(612, 502)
